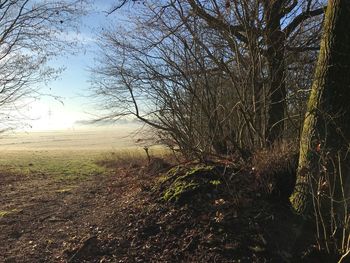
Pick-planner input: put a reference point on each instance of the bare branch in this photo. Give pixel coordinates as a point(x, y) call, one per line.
point(301, 18)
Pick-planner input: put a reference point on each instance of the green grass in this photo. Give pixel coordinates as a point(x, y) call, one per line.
point(5, 213)
point(72, 165)
point(61, 165)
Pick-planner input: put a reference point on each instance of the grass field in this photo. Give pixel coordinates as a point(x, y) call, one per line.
point(42, 162)
point(62, 164)
point(58, 161)
point(70, 164)
point(63, 154)
point(71, 154)
point(84, 139)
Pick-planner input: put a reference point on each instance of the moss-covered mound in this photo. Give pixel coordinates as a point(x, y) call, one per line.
point(218, 212)
point(199, 183)
point(187, 184)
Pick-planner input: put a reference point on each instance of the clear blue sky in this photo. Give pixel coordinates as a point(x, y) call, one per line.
point(73, 84)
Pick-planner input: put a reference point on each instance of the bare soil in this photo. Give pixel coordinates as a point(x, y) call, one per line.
point(49, 220)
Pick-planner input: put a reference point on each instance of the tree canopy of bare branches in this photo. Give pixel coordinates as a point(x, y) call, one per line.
point(215, 76)
point(31, 33)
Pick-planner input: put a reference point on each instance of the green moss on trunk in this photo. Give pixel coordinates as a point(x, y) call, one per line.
point(326, 130)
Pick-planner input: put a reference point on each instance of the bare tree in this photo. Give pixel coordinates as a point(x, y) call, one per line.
point(31, 33)
point(203, 71)
point(267, 28)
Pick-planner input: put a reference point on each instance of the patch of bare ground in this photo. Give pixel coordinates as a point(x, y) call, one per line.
point(46, 220)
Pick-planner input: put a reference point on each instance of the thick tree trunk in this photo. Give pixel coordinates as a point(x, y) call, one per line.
point(277, 107)
point(325, 137)
point(275, 40)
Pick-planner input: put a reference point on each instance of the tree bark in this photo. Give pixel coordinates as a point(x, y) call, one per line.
point(275, 40)
point(326, 131)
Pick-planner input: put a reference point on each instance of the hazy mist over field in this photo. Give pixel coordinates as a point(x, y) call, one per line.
point(80, 138)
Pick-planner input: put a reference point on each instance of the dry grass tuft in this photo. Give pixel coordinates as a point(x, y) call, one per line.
point(275, 169)
point(132, 158)
point(122, 158)
point(157, 165)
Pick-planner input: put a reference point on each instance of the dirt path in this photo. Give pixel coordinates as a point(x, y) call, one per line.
point(45, 220)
